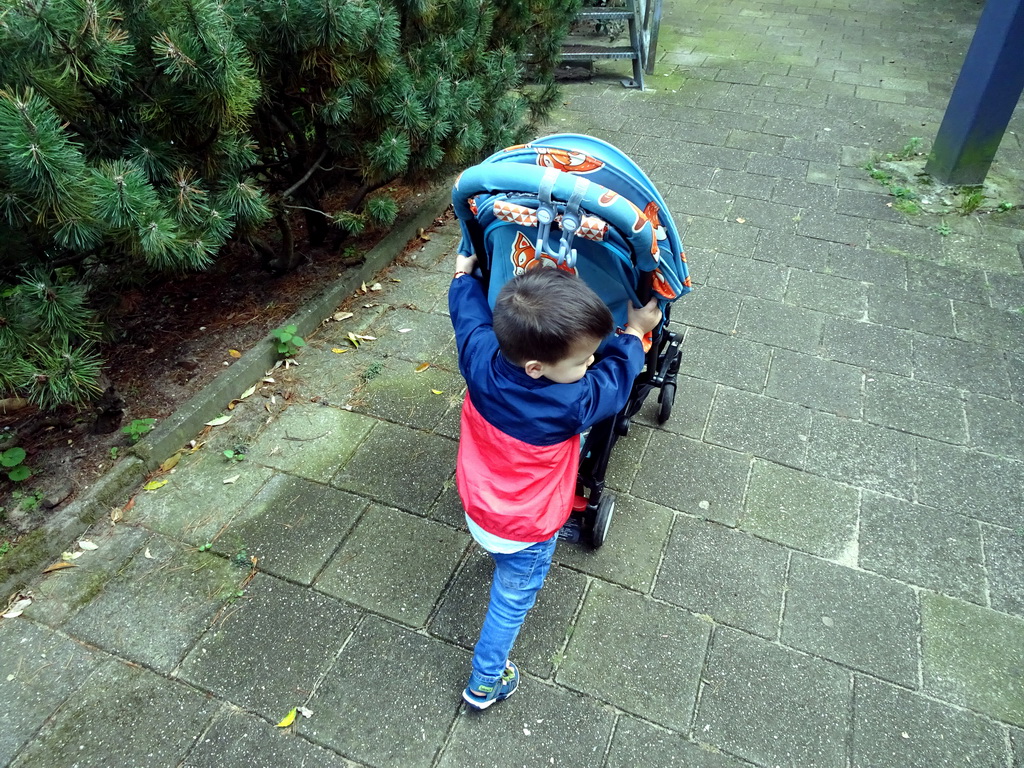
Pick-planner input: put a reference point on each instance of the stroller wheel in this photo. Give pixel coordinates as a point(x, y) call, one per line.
point(602, 519)
point(666, 398)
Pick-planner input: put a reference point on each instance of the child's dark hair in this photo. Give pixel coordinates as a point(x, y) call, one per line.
point(541, 314)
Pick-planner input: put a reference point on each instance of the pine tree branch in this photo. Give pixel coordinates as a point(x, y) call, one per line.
point(316, 165)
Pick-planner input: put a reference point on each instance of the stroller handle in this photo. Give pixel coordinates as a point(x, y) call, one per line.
point(597, 200)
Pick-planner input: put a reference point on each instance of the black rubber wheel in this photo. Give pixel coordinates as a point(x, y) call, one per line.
point(666, 398)
point(602, 519)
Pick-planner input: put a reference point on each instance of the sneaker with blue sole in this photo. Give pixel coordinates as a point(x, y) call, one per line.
point(486, 695)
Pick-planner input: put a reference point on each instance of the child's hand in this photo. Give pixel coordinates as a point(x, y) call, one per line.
point(465, 264)
point(644, 319)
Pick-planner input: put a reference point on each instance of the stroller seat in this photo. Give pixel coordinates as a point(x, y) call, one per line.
point(577, 203)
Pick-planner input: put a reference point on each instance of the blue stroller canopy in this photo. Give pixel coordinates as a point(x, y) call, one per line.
point(576, 203)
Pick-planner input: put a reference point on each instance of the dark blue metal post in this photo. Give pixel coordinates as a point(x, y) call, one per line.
point(986, 93)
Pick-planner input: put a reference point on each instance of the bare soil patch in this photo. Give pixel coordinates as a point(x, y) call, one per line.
point(177, 334)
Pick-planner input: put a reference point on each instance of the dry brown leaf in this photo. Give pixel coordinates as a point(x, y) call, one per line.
point(171, 462)
point(421, 367)
point(58, 567)
point(339, 316)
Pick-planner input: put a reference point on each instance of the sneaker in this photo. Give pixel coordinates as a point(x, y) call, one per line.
point(502, 689)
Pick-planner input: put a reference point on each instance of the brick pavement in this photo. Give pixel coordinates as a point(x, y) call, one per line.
point(815, 562)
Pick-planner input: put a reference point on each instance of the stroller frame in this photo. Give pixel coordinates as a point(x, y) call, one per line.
point(565, 198)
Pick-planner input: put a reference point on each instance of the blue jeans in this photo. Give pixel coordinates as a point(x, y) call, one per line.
point(517, 579)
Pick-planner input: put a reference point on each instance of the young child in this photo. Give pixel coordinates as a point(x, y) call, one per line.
point(533, 388)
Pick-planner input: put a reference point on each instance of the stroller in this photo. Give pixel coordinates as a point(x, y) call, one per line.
point(579, 204)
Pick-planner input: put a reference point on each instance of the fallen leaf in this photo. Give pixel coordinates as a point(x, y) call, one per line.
point(234, 353)
point(148, 555)
point(339, 316)
point(305, 711)
point(248, 393)
point(289, 718)
point(741, 221)
point(376, 287)
point(116, 515)
point(353, 340)
point(395, 279)
point(18, 606)
point(58, 567)
point(364, 338)
point(437, 391)
point(339, 351)
point(87, 545)
point(171, 463)
point(68, 556)
point(269, 380)
point(230, 480)
point(152, 485)
point(421, 367)
point(404, 330)
point(362, 288)
point(421, 234)
point(218, 421)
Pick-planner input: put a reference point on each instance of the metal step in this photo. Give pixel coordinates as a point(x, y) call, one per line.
point(586, 52)
point(604, 14)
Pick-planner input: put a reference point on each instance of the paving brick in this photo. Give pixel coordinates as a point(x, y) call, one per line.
point(690, 412)
point(175, 588)
point(781, 325)
point(822, 384)
point(973, 656)
point(725, 359)
point(425, 343)
point(948, 281)
point(764, 215)
point(196, 502)
point(985, 487)
point(308, 630)
point(983, 325)
point(758, 425)
point(1007, 291)
point(631, 554)
point(916, 407)
point(386, 566)
point(729, 576)
point(392, 390)
point(686, 201)
point(960, 364)
point(862, 454)
point(720, 236)
point(923, 546)
point(981, 252)
point(58, 597)
point(800, 194)
point(853, 618)
point(120, 717)
point(692, 477)
point(617, 655)
point(744, 183)
point(239, 738)
point(460, 612)
point(912, 311)
point(875, 347)
point(893, 726)
point(635, 742)
point(827, 293)
point(747, 276)
point(996, 425)
point(357, 697)
point(833, 227)
point(771, 705)
point(540, 725)
point(1004, 552)
point(775, 166)
point(293, 527)
point(401, 467)
point(41, 669)
point(801, 511)
point(311, 441)
point(792, 250)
